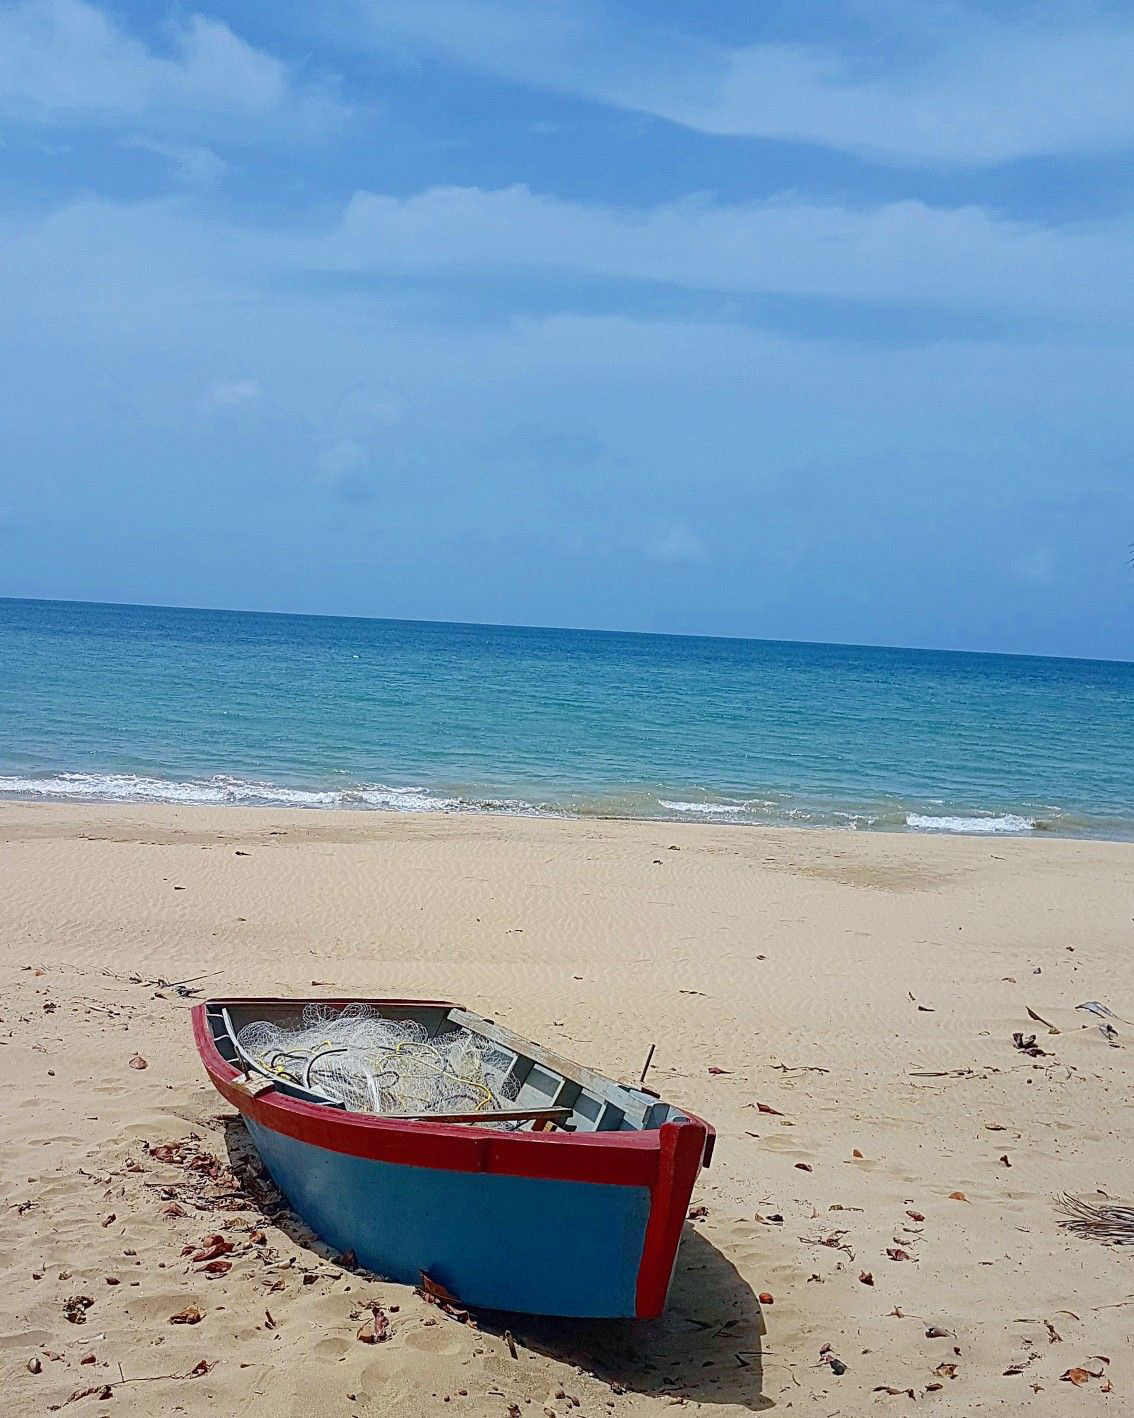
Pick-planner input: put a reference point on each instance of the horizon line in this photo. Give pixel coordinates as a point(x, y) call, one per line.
point(564, 629)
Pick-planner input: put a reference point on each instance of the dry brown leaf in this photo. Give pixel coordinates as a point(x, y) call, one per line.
point(216, 1267)
point(1051, 1029)
point(766, 1297)
point(189, 1315)
point(896, 1253)
point(866, 1277)
point(1078, 1377)
point(767, 1108)
point(436, 1294)
point(803, 1166)
point(957, 1196)
point(108, 1220)
point(915, 1215)
point(211, 1247)
point(137, 1061)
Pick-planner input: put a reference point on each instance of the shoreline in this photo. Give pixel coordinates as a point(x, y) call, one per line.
point(840, 1006)
point(1005, 825)
point(351, 824)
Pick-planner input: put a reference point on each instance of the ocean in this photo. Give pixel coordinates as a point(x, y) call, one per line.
point(155, 704)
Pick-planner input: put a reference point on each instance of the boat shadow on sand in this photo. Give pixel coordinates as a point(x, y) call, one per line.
point(707, 1347)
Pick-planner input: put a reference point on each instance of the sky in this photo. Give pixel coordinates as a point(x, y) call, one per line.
point(806, 319)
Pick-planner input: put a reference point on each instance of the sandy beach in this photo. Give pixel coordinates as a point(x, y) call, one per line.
point(841, 1006)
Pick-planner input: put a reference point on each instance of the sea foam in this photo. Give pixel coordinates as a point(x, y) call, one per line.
point(1008, 822)
point(703, 809)
point(220, 791)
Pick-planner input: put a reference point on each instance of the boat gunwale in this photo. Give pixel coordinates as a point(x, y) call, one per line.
point(619, 1157)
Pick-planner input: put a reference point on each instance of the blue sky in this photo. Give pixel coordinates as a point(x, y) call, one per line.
point(803, 320)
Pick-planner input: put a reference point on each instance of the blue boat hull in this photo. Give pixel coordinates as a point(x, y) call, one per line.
point(503, 1242)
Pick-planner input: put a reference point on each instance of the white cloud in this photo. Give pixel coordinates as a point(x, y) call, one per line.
point(113, 265)
point(121, 257)
point(984, 97)
point(963, 88)
point(62, 60)
point(903, 252)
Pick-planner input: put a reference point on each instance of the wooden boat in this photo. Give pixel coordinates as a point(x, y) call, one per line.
point(581, 1215)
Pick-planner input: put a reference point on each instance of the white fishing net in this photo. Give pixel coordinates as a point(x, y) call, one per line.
point(376, 1065)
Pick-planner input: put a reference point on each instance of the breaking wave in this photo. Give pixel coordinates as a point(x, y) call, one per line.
point(1008, 822)
point(224, 791)
point(703, 809)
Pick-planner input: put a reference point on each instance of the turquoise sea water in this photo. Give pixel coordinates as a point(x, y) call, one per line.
point(145, 703)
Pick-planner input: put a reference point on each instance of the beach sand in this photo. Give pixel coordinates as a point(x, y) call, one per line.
point(865, 987)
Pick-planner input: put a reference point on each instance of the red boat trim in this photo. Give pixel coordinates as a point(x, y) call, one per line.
point(611, 1158)
point(682, 1147)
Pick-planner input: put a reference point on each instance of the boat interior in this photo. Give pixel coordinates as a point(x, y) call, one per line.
point(546, 1091)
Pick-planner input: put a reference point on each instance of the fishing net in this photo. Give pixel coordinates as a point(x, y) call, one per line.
point(373, 1065)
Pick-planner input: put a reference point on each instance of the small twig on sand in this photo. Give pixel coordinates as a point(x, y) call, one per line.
point(946, 1073)
point(192, 980)
point(116, 1383)
point(646, 1065)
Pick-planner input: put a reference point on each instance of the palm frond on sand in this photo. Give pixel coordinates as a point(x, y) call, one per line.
point(1106, 1221)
